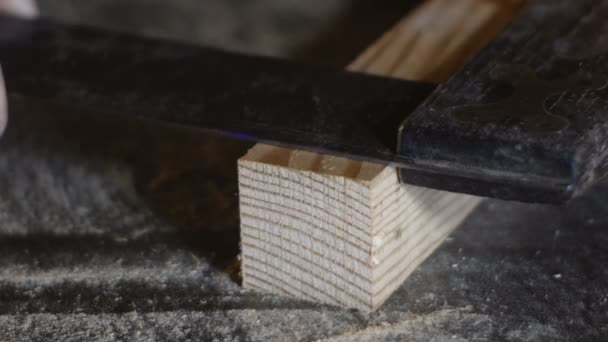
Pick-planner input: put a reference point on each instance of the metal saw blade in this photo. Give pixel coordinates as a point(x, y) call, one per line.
point(524, 120)
point(248, 97)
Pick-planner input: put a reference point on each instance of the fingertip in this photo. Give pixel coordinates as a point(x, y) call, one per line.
point(22, 8)
point(3, 105)
point(25, 9)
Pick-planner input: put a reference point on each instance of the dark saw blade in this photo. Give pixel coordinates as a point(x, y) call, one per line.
point(255, 98)
point(526, 119)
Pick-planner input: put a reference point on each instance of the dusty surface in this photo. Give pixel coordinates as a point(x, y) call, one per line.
point(113, 230)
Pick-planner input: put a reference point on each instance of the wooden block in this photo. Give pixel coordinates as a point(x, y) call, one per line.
point(346, 232)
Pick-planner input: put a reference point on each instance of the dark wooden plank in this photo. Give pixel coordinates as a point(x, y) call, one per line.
point(527, 117)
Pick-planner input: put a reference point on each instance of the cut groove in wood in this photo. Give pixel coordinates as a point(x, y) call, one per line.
point(346, 232)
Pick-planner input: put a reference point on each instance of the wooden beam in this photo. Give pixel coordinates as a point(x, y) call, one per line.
point(347, 232)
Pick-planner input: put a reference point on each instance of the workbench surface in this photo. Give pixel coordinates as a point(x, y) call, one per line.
point(124, 230)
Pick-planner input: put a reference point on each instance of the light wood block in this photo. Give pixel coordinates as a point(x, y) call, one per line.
point(346, 232)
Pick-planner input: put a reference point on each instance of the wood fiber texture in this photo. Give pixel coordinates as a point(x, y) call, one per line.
point(347, 232)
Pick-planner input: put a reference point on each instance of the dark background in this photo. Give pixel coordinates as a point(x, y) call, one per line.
point(125, 230)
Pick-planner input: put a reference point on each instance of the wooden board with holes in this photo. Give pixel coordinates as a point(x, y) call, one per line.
point(347, 232)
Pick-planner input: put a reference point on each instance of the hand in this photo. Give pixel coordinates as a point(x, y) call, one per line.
point(24, 8)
